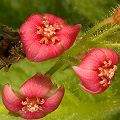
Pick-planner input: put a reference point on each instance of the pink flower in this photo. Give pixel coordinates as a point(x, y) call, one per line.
point(46, 36)
point(97, 70)
point(37, 97)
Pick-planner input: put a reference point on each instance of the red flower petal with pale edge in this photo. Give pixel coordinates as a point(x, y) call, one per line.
point(110, 55)
point(33, 115)
point(36, 18)
point(67, 35)
point(45, 52)
point(101, 89)
point(93, 60)
point(89, 78)
point(52, 18)
point(37, 51)
point(53, 102)
point(37, 86)
point(10, 100)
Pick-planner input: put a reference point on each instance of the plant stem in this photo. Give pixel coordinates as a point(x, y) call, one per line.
point(55, 67)
point(96, 27)
point(105, 33)
point(115, 45)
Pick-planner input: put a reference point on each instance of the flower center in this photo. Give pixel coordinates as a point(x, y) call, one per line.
point(107, 73)
point(32, 105)
point(48, 32)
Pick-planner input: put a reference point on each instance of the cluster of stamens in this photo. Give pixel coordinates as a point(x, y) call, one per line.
point(48, 32)
point(32, 105)
point(107, 73)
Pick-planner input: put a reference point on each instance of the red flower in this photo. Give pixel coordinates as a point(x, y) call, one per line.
point(37, 97)
point(46, 36)
point(97, 70)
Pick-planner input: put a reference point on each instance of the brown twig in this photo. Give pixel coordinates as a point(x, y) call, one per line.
point(11, 48)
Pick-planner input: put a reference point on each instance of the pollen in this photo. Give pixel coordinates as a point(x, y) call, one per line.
point(32, 105)
point(107, 73)
point(48, 32)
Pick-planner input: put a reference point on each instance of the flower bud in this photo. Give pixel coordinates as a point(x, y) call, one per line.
point(116, 16)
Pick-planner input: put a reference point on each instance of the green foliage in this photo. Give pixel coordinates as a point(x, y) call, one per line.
point(77, 104)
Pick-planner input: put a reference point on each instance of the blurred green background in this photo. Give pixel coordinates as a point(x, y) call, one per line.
point(76, 104)
point(87, 12)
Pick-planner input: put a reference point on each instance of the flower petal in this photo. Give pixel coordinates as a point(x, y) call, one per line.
point(89, 78)
point(36, 18)
point(52, 19)
point(31, 24)
point(30, 40)
point(47, 52)
point(53, 102)
point(111, 55)
point(32, 50)
point(68, 35)
point(33, 115)
point(100, 90)
point(10, 100)
point(28, 35)
point(37, 86)
point(28, 28)
point(93, 60)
